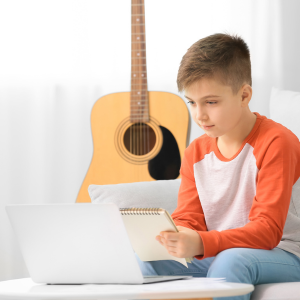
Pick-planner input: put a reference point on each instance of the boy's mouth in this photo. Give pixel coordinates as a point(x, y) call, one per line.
point(207, 127)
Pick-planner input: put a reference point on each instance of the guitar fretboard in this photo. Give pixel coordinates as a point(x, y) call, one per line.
point(139, 107)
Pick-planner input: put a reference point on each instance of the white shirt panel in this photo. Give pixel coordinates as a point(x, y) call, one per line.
point(226, 189)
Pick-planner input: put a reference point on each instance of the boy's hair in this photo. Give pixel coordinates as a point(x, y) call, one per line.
point(221, 56)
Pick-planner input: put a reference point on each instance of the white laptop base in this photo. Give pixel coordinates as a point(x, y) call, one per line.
point(77, 244)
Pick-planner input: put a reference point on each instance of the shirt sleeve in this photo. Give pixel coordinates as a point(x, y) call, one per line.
point(189, 212)
point(275, 180)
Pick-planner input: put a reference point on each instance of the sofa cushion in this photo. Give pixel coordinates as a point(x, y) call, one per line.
point(277, 291)
point(285, 109)
point(160, 193)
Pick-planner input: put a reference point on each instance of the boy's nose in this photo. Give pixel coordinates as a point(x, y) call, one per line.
point(200, 115)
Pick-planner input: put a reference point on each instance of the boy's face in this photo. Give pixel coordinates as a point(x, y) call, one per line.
point(213, 104)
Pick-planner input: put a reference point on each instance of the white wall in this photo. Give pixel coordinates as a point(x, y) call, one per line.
point(58, 57)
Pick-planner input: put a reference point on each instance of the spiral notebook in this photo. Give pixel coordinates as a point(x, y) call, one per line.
point(143, 225)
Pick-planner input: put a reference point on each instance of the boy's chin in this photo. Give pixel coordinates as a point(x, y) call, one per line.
point(211, 134)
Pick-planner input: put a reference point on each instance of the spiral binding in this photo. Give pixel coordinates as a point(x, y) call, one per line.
point(141, 211)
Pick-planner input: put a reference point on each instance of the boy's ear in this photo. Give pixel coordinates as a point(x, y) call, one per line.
point(246, 94)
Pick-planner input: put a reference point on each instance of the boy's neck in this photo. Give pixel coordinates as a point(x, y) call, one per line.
point(236, 137)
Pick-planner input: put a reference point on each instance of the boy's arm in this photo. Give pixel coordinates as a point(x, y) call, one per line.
point(269, 210)
point(189, 211)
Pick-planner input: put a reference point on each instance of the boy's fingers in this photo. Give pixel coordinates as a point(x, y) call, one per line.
point(171, 236)
point(158, 238)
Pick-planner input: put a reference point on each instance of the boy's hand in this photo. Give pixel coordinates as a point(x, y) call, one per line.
point(185, 243)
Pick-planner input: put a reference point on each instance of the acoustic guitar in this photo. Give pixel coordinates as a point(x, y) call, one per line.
point(137, 135)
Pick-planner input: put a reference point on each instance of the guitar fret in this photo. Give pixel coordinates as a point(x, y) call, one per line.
point(139, 72)
point(134, 33)
point(137, 15)
point(138, 105)
point(139, 114)
point(137, 4)
point(141, 118)
point(138, 24)
point(141, 93)
point(139, 65)
point(144, 118)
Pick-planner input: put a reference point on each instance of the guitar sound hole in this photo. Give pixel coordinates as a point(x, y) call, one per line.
point(139, 139)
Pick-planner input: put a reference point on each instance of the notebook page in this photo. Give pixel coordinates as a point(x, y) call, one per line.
point(142, 230)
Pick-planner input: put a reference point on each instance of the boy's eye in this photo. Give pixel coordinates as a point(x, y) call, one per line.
point(191, 102)
point(209, 102)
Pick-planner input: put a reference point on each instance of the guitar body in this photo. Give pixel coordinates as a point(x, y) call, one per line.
point(161, 141)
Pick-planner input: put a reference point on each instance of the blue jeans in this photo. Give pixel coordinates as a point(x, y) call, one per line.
point(244, 265)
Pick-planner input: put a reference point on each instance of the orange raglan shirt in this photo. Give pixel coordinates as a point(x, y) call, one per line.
point(251, 200)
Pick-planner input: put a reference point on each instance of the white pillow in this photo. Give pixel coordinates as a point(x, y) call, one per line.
point(285, 109)
point(160, 193)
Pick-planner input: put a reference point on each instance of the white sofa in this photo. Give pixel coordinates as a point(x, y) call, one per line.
point(284, 109)
point(163, 193)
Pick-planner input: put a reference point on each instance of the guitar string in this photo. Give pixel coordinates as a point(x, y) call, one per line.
point(130, 139)
point(144, 140)
point(139, 129)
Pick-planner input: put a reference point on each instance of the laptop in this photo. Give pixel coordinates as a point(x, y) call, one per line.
point(80, 243)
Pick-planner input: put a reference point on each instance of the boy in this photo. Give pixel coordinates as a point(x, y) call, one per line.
point(238, 211)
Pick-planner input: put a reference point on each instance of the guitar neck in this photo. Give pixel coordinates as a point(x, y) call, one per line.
point(139, 104)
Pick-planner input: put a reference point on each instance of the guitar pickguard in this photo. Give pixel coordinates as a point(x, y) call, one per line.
point(166, 164)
